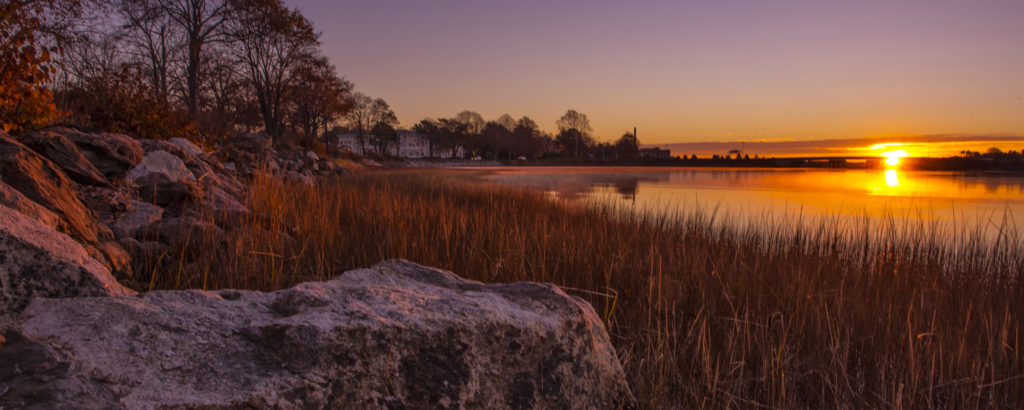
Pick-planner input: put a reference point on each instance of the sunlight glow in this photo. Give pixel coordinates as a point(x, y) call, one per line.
point(893, 157)
point(886, 145)
point(892, 178)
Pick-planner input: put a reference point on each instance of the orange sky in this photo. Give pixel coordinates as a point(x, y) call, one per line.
point(915, 146)
point(738, 70)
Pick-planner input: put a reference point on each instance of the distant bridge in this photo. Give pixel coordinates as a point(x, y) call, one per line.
point(829, 162)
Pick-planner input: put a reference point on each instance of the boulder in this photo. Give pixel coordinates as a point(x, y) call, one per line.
point(139, 214)
point(65, 154)
point(162, 165)
point(187, 146)
point(397, 335)
point(170, 194)
point(164, 179)
point(112, 154)
point(37, 261)
point(44, 183)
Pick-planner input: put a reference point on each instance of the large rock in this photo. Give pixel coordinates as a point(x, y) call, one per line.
point(187, 146)
point(397, 335)
point(165, 180)
point(139, 215)
point(206, 169)
point(17, 201)
point(173, 195)
point(44, 183)
point(162, 165)
point(65, 154)
point(112, 154)
point(37, 261)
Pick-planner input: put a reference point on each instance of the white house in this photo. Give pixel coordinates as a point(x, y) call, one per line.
point(410, 145)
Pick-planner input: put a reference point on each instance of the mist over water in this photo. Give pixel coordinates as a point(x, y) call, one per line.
point(946, 203)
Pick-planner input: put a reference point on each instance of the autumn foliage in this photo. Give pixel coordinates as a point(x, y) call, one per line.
point(25, 102)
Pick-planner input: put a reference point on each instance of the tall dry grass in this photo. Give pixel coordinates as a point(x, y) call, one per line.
point(703, 313)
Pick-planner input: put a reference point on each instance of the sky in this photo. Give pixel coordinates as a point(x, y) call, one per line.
point(694, 71)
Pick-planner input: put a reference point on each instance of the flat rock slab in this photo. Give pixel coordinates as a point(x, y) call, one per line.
point(397, 335)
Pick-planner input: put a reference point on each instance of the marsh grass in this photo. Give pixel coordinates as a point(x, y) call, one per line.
point(704, 312)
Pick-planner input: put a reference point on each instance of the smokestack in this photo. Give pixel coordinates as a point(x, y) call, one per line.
point(634, 135)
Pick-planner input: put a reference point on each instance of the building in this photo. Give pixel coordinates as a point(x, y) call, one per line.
point(349, 141)
point(410, 145)
point(655, 153)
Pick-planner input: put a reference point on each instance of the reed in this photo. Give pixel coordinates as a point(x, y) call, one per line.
point(703, 311)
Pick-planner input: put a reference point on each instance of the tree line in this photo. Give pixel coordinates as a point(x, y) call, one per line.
point(509, 138)
point(160, 68)
point(213, 68)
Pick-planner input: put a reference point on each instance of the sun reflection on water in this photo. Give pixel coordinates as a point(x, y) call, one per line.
point(945, 197)
point(892, 179)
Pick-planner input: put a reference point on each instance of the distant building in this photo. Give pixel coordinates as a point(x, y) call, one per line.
point(349, 141)
point(655, 153)
point(410, 145)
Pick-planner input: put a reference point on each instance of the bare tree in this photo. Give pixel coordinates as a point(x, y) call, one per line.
point(358, 117)
point(506, 121)
point(318, 95)
point(574, 120)
point(381, 113)
point(227, 99)
point(153, 38)
point(473, 121)
point(271, 40)
point(574, 127)
point(201, 22)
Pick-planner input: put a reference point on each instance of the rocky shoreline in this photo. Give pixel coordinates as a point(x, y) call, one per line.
point(79, 210)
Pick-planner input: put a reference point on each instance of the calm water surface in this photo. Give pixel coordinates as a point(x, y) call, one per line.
point(966, 200)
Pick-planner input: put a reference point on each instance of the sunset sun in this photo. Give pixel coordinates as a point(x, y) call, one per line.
point(892, 158)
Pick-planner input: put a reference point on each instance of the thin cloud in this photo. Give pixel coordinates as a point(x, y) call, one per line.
point(922, 145)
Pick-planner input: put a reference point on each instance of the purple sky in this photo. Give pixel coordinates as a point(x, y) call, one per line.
point(686, 71)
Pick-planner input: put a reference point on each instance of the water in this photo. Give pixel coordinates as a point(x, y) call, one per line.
point(967, 201)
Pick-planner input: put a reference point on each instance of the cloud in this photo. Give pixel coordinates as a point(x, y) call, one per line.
point(922, 145)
